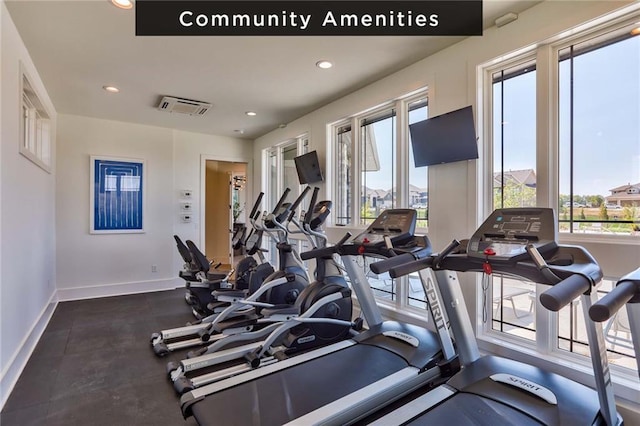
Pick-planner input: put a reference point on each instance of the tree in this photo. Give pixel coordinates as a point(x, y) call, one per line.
point(365, 210)
point(594, 200)
point(514, 195)
point(629, 213)
point(604, 215)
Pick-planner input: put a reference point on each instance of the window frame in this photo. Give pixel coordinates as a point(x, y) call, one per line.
point(274, 192)
point(399, 306)
point(36, 143)
point(380, 114)
point(555, 59)
point(401, 178)
point(334, 181)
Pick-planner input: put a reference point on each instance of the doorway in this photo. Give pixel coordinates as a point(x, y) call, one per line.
point(224, 208)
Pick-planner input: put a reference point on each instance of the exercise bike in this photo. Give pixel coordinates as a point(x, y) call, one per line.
point(199, 280)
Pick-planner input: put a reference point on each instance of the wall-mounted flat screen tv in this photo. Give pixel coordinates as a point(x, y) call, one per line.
point(308, 168)
point(445, 138)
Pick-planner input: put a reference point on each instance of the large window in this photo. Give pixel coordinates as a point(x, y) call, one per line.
point(509, 303)
point(343, 175)
point(599, 161)
point(599, 134)
point(418, 179)
point(514, 136)
point(378, 158)
point(377, 165)
point(587, 149)
point(282, 169)
point(282, 174)
point(380, 149)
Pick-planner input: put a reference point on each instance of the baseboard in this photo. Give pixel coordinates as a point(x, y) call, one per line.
point(11, 373)
point(118, 289)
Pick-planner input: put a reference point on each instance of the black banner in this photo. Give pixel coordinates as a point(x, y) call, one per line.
point(313, 18)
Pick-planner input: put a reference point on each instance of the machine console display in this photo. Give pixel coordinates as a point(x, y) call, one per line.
point(398, 224)
point(321, 211)
point(280, 216)
point(505, 234)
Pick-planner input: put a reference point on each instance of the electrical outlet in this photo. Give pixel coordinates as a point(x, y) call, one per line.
point(154, 268)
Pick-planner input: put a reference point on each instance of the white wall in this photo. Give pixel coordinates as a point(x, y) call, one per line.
point(191, 150)
point(27, 222)
point(87, 263)
point(90, 265)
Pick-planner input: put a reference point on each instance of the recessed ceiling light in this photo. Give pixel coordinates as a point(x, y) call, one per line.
point(241, 131)
point(111, 89)
point(636, 31)
point(122, 4)
point(324, 64)
point(251, 113)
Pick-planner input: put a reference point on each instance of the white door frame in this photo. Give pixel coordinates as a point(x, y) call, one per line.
point(203, 196)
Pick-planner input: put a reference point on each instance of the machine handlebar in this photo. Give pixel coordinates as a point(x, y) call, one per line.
point(326, 251)
point(312, 206)
point(411, 267)
point(564, 292)
point(446, 252)
point(314, 254)
point(298, 200)
point(385, 265)
point(256, 206)
point(343, 239)
point(419, 261)
point(606, 307)
point(281, 200)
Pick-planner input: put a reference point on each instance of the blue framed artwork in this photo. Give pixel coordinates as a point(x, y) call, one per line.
point(117, 195)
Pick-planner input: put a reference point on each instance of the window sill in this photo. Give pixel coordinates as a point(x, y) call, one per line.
point(577, 238)
point(35, 160)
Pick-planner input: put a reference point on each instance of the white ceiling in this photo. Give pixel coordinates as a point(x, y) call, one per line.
point(80, 46)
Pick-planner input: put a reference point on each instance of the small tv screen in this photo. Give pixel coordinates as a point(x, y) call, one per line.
point(445, 138)
point(308, 168)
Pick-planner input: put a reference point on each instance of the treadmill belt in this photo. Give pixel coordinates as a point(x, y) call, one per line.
point(288, 394)
point(465, 409)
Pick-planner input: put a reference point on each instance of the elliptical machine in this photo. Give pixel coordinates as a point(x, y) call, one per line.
point(321, 316)
point(279, 288)
point(250, 272)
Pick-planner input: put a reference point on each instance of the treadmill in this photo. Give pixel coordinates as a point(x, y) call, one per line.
point(339, 383)
point(494, 391)
point(626, 291)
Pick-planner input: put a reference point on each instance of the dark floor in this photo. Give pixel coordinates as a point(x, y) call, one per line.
point(94, 365)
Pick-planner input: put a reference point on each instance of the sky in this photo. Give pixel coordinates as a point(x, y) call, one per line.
point(606, 119)
point(383, 133)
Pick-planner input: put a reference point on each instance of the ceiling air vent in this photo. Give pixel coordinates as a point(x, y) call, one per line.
point(183, 106)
